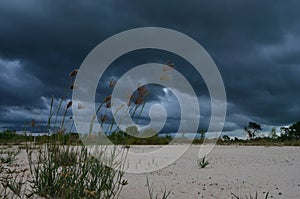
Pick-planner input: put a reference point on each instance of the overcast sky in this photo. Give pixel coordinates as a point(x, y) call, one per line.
point(255, 45)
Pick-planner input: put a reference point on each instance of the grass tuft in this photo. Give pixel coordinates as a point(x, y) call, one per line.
point(165, 193)
point(202, 163)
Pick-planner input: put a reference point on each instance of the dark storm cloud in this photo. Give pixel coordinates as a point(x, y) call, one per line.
point(18, 85)
point(254, 44)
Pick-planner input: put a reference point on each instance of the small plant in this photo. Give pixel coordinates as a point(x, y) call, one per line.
point(12, 182)
point(250, 197)
point(151, 194)
point(202, 163)
point(66, 156)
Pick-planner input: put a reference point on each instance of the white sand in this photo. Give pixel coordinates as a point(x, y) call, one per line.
point(233, 169)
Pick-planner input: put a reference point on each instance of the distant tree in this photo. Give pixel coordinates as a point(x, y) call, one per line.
point(168, 136)
point(292, 131)
point(226, 138)
point(273, 134)
point(202, 134)
point(252, 129)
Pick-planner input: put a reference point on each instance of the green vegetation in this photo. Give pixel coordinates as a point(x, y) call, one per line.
point(165, 193)
point(273, 134)
point(252, 129)
point(9, 137)
point(72, 172)
point(202, 163)
point(121, 137)
point(291, 132)
point(264, 141)
point(12, 182)
point(289, 136)
point(61, 167)
point(62, 171)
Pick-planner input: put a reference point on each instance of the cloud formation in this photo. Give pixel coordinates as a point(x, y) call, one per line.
point(254, 44)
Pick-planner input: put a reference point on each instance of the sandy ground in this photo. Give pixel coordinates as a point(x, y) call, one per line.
point(233, 169)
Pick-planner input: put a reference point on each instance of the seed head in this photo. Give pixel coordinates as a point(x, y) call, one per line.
point(69, 104)
point(33, 122)
point(172, 65)
point(139, 100)
point(108, 104)
point(142, 91)
point(107, 99)
point(112, 83)
point(73, 73)
point(103, 118)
